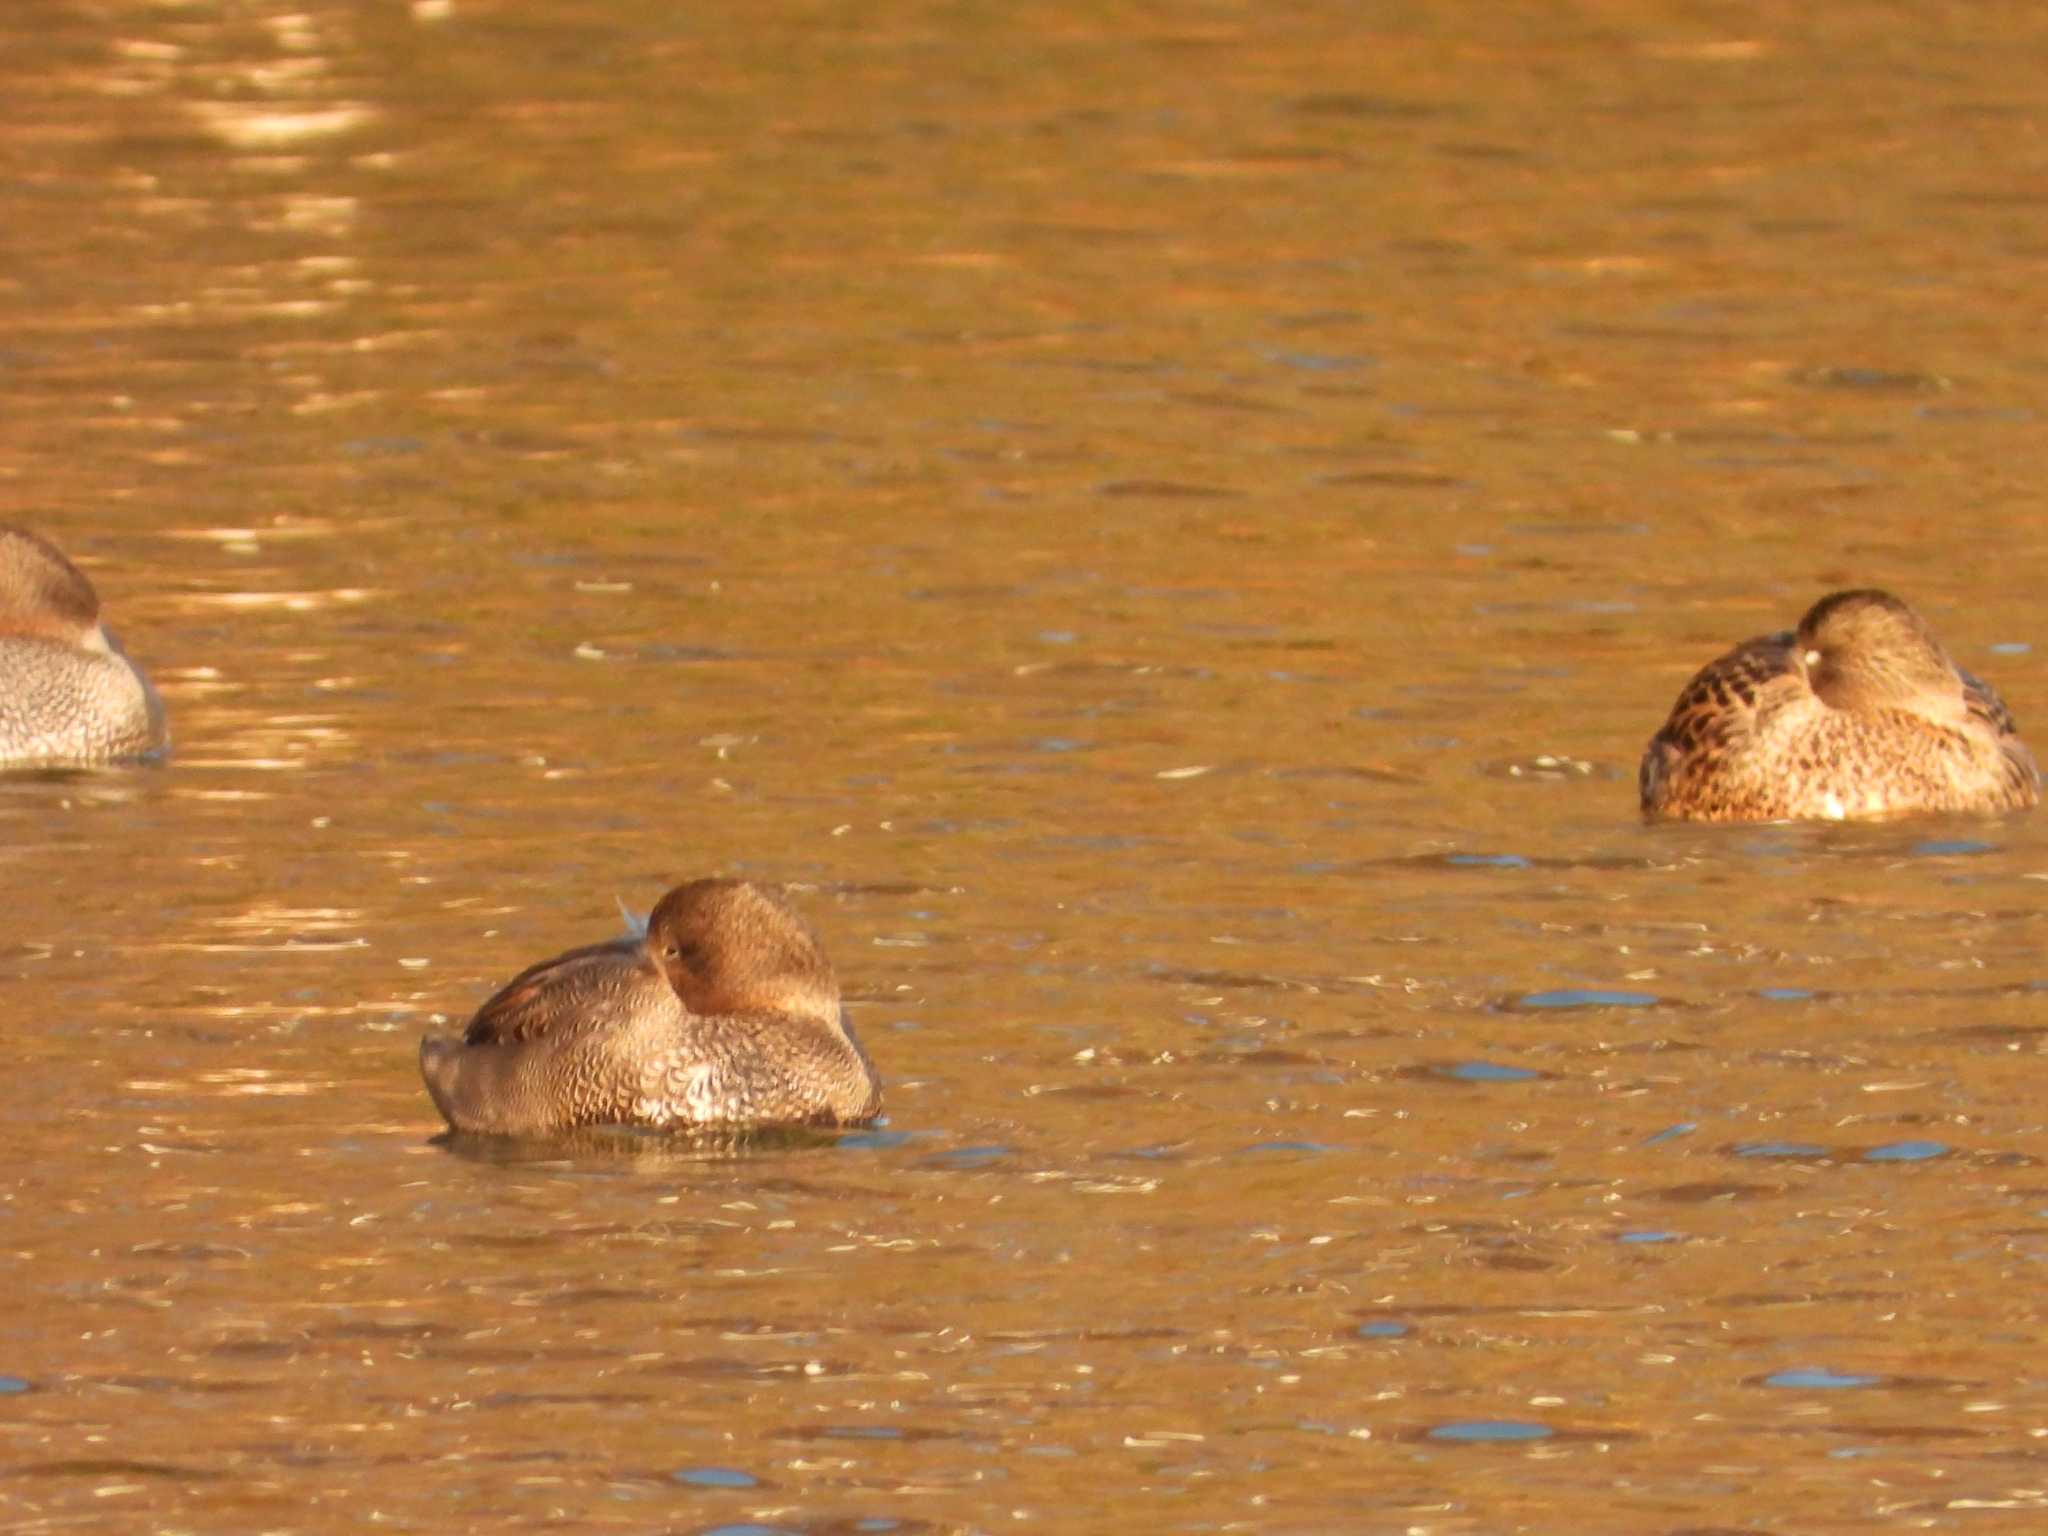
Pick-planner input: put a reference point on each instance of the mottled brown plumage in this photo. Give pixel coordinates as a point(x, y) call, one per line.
point(69, 697)
point(724, 1014)
point(1857, 713)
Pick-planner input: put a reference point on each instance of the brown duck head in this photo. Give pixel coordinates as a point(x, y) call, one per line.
point(42, 594)
point(1866, 649)
point(730, 947)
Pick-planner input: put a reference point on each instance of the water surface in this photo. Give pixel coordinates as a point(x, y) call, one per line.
point(1168, 528)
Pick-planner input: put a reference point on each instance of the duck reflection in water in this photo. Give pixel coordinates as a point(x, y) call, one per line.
point(1857, 713)
point(723, 1015)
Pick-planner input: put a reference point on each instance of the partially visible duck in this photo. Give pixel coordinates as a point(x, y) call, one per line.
point(1857, 713)
point(723, 1015)
point(69, 696)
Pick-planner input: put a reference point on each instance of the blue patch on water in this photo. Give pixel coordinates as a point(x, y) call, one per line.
point(876, 1141)
point(1290, 1146)
point(1780, 1149)
point(1672, 1132)
point(1385, 1328)
point(749, 1528)
point(1489, 1072)
point(715, 1477)
point(2014, 414)
point(1882, 379)
point(1588, 997)
point(1056, 637)
point(1818, 1378)
point(970, 1157)
point(1318, 362)
point(1939, 847)
point(1906, 1152)
point(1651, 1237)
point(12, 1384)
point(1059, 744)
point(1488, 860)
point(876, 1523)
point(2011, 648)
point(861, 1432)
point(1784, 994)
point(1490, 1429)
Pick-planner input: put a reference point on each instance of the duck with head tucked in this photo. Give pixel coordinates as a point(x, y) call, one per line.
point(1858, 713)
point(69, 696)
point(724, 1015)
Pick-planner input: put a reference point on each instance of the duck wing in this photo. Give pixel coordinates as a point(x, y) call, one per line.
point(1721, 703)
point(1983, 703)
point(2022, 776)
point(1717, 713)
point(565, 993)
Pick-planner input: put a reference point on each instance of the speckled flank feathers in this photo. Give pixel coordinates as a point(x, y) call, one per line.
point(68, 696)
point(724, 1014)
point(1857, 713)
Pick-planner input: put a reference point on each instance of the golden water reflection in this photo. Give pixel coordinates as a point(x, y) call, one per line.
point(1169, 531)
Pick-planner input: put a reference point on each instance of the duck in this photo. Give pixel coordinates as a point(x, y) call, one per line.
point(69, 695)
point(1859, 713)
point(722, 1015)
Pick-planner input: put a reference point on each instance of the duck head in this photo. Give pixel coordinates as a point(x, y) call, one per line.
point(730, 947)
point(42, 594)
point(1867, 650)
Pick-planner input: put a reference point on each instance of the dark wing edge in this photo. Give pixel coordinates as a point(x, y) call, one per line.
point(1715, 708)
point(1983, 702)
point(538, 1000)
point(2023, 777)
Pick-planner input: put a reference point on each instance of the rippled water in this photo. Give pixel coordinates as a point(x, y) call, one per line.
point(1168, 528)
